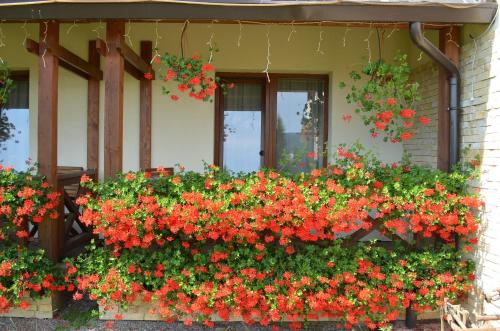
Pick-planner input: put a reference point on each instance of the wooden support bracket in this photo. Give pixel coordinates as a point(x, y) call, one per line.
point(134, 64)
point(102, 47)
point(134, 60)
point(68, 60)
point(359, 234)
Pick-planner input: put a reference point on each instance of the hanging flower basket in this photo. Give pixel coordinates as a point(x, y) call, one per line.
point(192, 75)
point(386, 99)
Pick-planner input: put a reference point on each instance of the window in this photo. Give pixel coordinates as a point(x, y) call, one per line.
point(14, 124)
point(281, 123)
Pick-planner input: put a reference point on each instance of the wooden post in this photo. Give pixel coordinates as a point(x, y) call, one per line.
point(449, 39)
point(113, 110)
point(51, 232)
point(145, 109)
point(93, 111)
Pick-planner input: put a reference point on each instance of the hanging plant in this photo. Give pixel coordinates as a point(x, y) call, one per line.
point(192, 75)
point(386, 99)
point(6, 84)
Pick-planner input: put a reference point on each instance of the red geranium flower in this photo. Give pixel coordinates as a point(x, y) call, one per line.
point(424, 120)
point(207, 67)
point(407, 113)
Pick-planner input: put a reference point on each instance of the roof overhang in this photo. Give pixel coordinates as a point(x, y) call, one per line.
point(266, 10)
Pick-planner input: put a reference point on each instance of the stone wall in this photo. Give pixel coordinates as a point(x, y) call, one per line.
point(39, 308)
point(479, 131)
point(423, 146)
point(480, 128)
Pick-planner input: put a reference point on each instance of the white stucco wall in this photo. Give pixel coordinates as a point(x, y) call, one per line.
point(183, 131)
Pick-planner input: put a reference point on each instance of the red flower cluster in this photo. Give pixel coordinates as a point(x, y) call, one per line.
point(24, 198)
point(265, 247)
point(265, 208)
point(386, 99)
point(190, 74)
point(198, 286)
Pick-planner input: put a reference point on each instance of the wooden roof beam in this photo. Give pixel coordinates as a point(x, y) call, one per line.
point(68, 60)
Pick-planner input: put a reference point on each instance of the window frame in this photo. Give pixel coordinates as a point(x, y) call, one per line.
point(270, 112)
point(22, 75)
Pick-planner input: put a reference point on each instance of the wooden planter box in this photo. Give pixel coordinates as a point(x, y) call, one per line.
point(140, 311)
point(39, 308)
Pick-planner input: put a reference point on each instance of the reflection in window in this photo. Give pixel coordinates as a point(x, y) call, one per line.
point(242, 140)
point(14, 125)
point(300, 124)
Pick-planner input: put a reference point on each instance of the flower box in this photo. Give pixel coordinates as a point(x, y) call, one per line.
point(38, 308)
point(142, 311)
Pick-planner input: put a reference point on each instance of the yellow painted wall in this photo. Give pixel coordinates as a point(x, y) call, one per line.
point(183, 131)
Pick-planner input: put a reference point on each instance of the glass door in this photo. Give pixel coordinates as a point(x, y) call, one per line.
point(300, 127)
point(243, 126)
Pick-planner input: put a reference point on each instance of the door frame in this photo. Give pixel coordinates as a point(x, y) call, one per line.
point(269, 111)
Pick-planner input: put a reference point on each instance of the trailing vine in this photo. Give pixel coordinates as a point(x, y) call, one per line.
point(386, 99)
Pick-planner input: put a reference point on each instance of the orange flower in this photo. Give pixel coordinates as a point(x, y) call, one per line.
point(380, 125)
point(24, 305)
point(391, 101)
point(347, 117)
point(424, 120)
point(85, 179)
point(406, 135)
point(407, 113)
point(207, 67)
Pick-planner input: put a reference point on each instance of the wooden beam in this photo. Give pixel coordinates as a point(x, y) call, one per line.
point(135, 60)
point(51, 232)
point(113, 111)
point(102, 47)
point(449, 39)
point(33, 47)
point(133, 71)
point(86, 69)
point(145, 109)
point(67, 60)
point(93, 111)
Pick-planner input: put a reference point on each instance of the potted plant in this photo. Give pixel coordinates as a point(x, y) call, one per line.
point(385, 97)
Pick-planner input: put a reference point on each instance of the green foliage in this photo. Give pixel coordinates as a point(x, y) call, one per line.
point(202, 243)
point(385, 98)
point(6, 84)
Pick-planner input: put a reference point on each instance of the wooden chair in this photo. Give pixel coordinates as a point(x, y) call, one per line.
point(76, 234)
point(155, 173)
